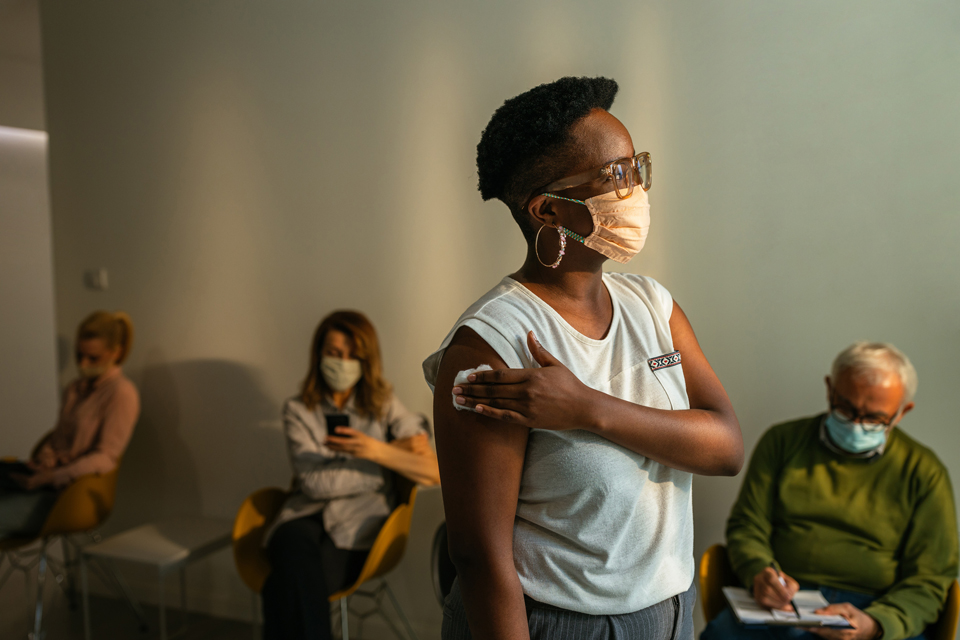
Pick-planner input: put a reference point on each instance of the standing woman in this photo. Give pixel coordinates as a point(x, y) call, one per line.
point(567, 467)
point(97, 415)
point(342, 493)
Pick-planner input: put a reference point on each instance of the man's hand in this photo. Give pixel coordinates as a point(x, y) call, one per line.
point(355, 443)
point(770, 593)
point(864, 626)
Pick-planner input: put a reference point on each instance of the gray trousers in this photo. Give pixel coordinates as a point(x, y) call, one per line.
point(671, 619)
point(22, 513)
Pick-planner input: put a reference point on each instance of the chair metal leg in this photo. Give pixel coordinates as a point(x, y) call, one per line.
point(5, 555)
point(118, 583)
point(183, 598)
point(163, 610)
point(344, 620)
point(41, 578)
point(69, 562)
point(403, 618)
point(85, 596)
point(255, 615)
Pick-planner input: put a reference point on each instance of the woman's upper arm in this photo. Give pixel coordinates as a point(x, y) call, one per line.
point(703, 386)
point(481, 460)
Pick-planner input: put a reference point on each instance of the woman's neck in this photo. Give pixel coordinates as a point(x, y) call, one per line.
point(575, 290)
point(576, 281)
point(340, 398)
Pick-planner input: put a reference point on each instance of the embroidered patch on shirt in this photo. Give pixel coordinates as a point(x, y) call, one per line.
point(664, 361)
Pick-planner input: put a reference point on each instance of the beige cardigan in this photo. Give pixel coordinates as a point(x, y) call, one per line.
point(354, 494)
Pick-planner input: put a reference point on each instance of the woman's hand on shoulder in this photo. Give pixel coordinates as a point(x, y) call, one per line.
point(550, 397)
point(356, 444)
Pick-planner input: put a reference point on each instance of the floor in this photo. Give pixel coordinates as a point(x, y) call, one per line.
point(112, 620)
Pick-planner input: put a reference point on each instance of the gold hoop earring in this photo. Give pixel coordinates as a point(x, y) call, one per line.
point(563, 247)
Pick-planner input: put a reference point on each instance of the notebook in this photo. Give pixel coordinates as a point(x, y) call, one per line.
point(807, 601)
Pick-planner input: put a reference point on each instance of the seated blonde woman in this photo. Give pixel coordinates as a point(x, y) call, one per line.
point(97, 415)
point(346, 431)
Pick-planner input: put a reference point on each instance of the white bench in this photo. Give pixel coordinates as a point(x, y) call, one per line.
point(169, 546)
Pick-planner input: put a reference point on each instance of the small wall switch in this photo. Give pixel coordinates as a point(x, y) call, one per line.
point(97, 279)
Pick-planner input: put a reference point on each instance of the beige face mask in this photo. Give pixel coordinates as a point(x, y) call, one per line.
point(620, 227)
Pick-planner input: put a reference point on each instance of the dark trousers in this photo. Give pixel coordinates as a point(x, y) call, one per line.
point(22, 512)
point(306, 569)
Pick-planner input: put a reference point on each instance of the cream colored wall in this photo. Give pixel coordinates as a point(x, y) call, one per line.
point(244, 168)
point(29, 392)
point(21, 79)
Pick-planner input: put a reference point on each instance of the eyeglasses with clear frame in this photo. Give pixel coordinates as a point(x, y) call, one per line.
point(625, 173)
point(869, 422)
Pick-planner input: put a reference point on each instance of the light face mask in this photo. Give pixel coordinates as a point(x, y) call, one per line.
point(620, 227)
point(92, 372)
point(340, 375)
point(852, 437)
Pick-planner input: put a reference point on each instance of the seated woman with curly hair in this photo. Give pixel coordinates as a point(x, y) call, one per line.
point(342, 475)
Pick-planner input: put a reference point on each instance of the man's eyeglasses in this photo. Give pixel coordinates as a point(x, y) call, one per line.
point(625, 174)
point(870, 422)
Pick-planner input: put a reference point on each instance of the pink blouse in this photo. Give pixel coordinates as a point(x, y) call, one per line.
point(95, 425)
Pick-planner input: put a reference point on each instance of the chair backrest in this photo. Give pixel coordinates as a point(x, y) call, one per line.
point(83, 505)
point(715, 573)
point(391, 542)
point(253, 519)
point(945, 628)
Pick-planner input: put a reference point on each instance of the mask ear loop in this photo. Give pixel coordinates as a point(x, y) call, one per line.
point(563, 247)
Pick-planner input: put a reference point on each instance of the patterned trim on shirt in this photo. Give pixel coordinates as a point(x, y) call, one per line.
point(664, 361)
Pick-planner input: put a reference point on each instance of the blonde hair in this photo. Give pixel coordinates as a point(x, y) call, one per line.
point(116, 329)
point(866, 357)
point(372, 392)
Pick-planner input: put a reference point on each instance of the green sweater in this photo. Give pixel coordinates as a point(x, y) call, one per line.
point(885, 526)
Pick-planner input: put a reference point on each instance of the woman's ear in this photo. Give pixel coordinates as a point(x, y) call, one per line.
point(540, 208)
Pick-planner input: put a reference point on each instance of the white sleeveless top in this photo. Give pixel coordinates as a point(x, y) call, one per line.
point(599, 529)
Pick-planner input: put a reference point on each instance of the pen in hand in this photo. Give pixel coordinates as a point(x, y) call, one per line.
point(773, 565)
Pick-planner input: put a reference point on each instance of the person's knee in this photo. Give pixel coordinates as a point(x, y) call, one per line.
point(294, 540)
point(723, 627)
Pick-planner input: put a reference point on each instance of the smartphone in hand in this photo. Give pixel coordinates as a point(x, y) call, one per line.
point(335, 420)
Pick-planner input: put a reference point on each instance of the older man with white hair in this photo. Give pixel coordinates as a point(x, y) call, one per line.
point(848, 503)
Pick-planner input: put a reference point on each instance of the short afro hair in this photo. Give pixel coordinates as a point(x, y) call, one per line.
point(522, 147)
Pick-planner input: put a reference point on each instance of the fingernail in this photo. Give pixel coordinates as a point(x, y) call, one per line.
point(478, 408)
point(461, 400)
point(472, 377)
point(457, 391)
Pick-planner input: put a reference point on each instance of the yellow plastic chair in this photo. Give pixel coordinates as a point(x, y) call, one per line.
point(945, 628)
point(716, 573)
point(260, 509)
point(80, 508)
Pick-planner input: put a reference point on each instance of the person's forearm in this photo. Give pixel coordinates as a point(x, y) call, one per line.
point(493, 600)
point(420, 467)
point(338, 478)
point(94, 462)
point(700, 441)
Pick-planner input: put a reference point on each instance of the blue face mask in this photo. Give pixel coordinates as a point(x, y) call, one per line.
point(852, 437)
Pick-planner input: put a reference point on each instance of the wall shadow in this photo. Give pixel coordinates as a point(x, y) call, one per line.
point(208, 435)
